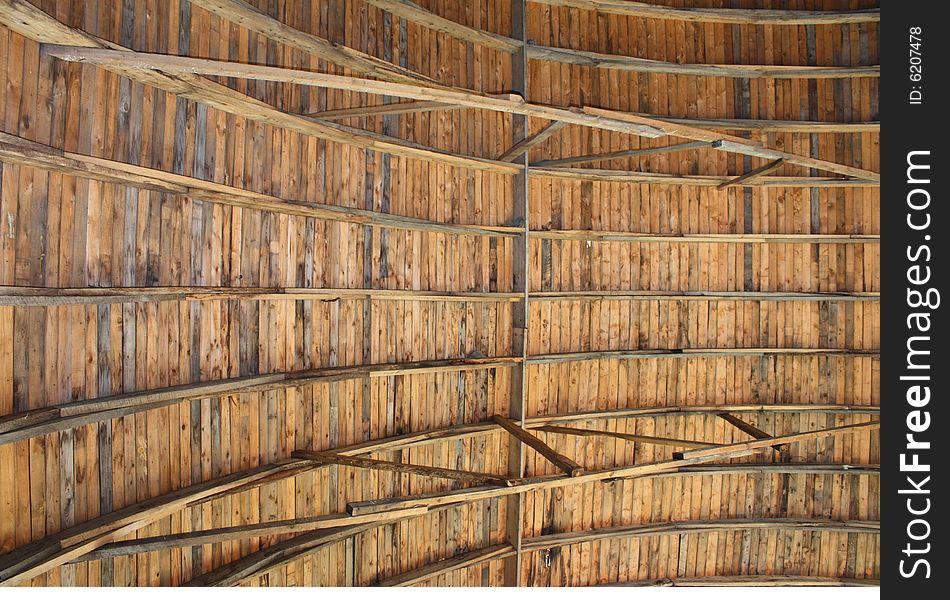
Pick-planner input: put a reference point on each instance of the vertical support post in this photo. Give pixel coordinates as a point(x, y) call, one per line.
point(519, 346)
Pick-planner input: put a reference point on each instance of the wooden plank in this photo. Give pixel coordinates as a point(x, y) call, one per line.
point(753, 581)
point(643, 439)
point(399, 108)
point(571, 468)
point(710, 238)
point(747, 178)
point(751, 16)
point(331, 458)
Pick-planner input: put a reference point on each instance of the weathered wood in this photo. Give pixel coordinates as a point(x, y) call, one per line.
point(522, 146)
point(643, 439)
point(745, 448)
point(716, 238)
point(331, 458)
point(249, 17)
point(447, 565)
point(429, 501)
point(57, 418)
point(706, 296)
point(747, 178)
point(775, 125)
point(331, 523)
point(571, 468)
point(32, 296)
point(614, 175)
point(30, 21)
point(752, 16)
point(751, 581)
point(747, 428)
point(573, 160)
point(43, 555)
point(181, 65)
point(415, 13)
point(16, 150)
point(378, 110)
point(645, 65)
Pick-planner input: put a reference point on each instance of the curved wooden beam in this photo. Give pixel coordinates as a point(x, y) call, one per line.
point(749, 16)
point(750, 581)
point(557, 540)
point(619, 62)
point(703, 238)
point(39, 557)
point(331, 522)
point(41, 421)
point(44, 296)
point(17, 150)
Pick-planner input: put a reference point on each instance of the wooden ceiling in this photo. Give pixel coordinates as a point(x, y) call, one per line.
point(380, 292)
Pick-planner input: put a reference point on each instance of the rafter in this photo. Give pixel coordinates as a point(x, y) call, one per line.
point(524, 145)
point(17, 150)
point(746, 179)
point(751, 16)
point(589, 158)
point(571, 468)
point(429, 501)
point(331, 458)
point(630, 437)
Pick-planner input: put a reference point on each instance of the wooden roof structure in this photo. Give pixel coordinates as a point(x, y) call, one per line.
point(432, 292)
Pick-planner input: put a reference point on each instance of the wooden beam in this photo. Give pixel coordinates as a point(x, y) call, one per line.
point(620, 176)
point(272, 557)
point(747, 428)
point(522, 146)
point(513, 573)
point(750, 581)
point(331, 458)
point(416, 14)
point(16, 150)
point(186, 66)
point(28, 20)
point(48, 553)
point(429, 501)
point(750, 16)
point(589, 158)
point(630, 437)
point(474, 557)
point(620, 62)
point(745, 448)
point(332, 522)
point(380, 110)
point(542, 359)
point(40, 421)
point(706, 296)
point(555, 540)
point(202, 90)
point(774, 125)
point(36, 296)
point(571, 468)
point(252, 19)
point(748, 178)
point(705, 238)
point(728, 143)
point(447, 565)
